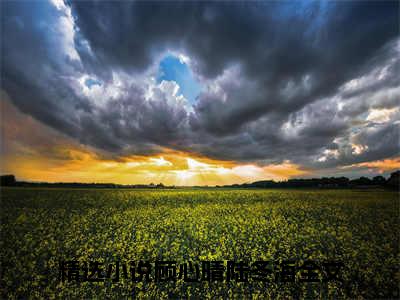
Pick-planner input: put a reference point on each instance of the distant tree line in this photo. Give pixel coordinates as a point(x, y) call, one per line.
point(392, 182)
point(9, 180)
point(328, 182)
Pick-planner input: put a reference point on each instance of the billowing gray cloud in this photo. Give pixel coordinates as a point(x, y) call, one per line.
point(316, 83)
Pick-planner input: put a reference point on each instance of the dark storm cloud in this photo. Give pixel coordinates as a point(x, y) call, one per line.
point(272, 73)
point(265, 140)
point(382, 142)
point(37, 75)
point(275, 43)
point(32, 66)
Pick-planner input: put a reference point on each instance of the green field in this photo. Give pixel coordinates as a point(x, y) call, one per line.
point(40, 227)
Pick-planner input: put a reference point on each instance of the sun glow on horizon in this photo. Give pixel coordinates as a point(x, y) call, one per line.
point(35, 152)
point(171, 168)
point(38, 153)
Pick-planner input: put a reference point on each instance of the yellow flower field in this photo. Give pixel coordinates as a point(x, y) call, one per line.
point(42, 227)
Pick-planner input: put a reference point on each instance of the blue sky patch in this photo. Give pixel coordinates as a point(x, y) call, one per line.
point(91, 82)
point(172, 69)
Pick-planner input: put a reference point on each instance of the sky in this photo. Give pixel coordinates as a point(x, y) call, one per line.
point(199, 93)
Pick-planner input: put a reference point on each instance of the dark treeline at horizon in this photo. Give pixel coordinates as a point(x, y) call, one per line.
point(393, 182)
